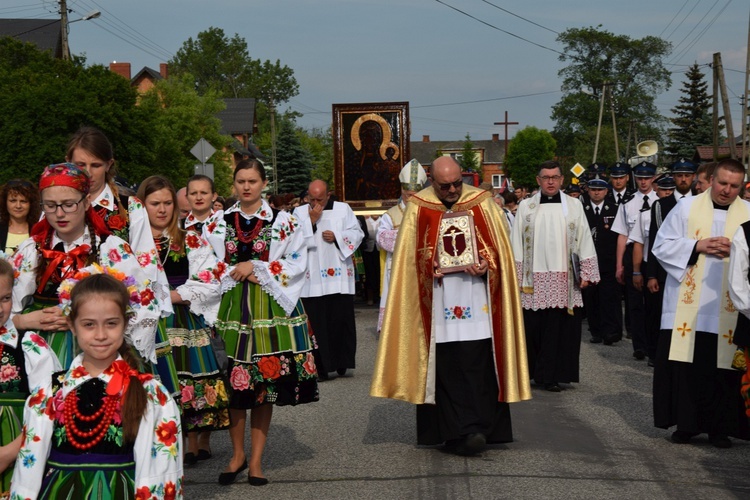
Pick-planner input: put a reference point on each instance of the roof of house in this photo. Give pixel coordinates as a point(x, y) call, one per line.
point(424, 152)
point(238, 117)
point(44, 33)
point(706, 153)
point(147, 72)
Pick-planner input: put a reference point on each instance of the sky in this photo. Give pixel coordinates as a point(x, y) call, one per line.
point(459, 71)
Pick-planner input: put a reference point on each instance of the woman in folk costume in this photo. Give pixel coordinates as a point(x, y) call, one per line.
point(72, 236)
point(123, 215)
point(203, 217)
point(102, 429)
point(412, 179)
point(261, 318)
point(25, 363)
point(194, 274)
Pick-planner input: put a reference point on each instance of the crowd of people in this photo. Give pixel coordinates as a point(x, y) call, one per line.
point(135, 325)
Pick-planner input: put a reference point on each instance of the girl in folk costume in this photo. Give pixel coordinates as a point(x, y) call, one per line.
point(194, 273)
point(25, 363)
point(124, 216)
point(203, 217)
point(72, 236)
point(261, 318)
point(101, 429)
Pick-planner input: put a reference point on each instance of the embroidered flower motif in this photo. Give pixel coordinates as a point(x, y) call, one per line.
point(275, 267)
point(144, 259)
point(309, 364)
point(116, 222)
point(36, 398)
point(192, 241)
point(259, 246)
point(170, 491)
point(114, 255)
point(166, 432)
point(147, 296)
point(205, 276)
point(210, 395)
point(188, 392)
point(104, 202)
point(458, 312)
point(330, 271)
point(78, 372)
point(143, 493)
point(231, 246)
point(211, 227)
point(38, 340)
point(270, 367)
point(240, 378)
point(219, 270)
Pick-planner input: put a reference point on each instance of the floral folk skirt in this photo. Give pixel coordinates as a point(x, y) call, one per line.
point(11, 422)
point(270, 353)
point(204, 397)
point(89, 476)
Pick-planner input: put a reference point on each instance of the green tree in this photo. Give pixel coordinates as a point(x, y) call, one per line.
point(528, 149)
point(635, 74)
point(181, 118)
point(44, 100)
point(692, 121)
point(293, 161)
point(583, 148)
point(469, 161)
point(319, 142)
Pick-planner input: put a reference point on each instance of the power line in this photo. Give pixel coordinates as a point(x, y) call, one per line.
point(683, 19)
point(675, 17)
point(485, 100)
point(520, 17)
point(499, 29)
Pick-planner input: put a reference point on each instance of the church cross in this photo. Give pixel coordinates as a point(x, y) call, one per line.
point(684, 329)
point(453, 235)
point(505, 124)
point(729, 336)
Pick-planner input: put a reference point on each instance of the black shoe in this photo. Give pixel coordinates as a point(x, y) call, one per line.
point(595, 340)
point(341, 372)
point(552, 387)
point(471, 444)
point(322, 377)
point(257, 481)
point(189, 459)
point(639, 354)
point(609, 340)
point(204, 454)
point(719, 440)
point(650, 363)
point(226, 478)
point(681, 437)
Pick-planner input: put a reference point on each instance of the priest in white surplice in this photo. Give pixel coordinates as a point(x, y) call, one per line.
point(550, 236)
point(333, 234)
point(412, 178)
point(695, 387)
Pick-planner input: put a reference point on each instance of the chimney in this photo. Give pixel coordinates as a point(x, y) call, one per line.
point(495, 137)
point(122, 69)
point(425, 138)
point(163, 71)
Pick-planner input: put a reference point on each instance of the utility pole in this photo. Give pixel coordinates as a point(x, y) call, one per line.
point(599, 125)
point(272, 109)
point(725, 104)
point(64, 29)
point(716, 111)
point(614, 124)
point(745, 104)
point(506, 123)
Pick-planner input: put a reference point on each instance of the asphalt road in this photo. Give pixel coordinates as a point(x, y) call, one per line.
point(594, 440)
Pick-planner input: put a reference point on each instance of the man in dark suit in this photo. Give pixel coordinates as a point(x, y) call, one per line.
point(602, 301)
point(654, 275)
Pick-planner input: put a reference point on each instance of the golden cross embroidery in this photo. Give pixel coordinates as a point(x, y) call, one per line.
point(729, 336)
point(684, 329)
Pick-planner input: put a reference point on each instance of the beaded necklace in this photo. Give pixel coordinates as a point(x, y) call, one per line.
point(162, 243)
point(247, 236)
point(73, 415)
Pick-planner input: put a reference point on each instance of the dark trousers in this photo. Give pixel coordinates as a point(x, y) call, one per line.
point(371, 261)
point(465, 396)
point(652, 302)
point(332, 320)
point(553, 345)
point(635, 304)
point(604, 307)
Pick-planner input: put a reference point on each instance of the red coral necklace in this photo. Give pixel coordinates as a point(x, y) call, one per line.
point(73, 415)
point(247, 236)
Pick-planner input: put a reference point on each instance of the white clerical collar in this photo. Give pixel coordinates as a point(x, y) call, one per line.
point(105, 199)
point(264, 211)
point(84, 239)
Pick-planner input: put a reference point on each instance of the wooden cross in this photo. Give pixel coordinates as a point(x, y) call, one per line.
point(505, 124)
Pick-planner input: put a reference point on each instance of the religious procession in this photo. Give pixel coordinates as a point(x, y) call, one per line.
point(138, 326)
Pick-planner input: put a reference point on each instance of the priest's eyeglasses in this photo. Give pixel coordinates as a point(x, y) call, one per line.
point(68, 207)
point(547, 178)
point(447, 187)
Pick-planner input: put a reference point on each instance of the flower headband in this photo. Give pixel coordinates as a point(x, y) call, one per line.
point(67, 175)
point(67, 285)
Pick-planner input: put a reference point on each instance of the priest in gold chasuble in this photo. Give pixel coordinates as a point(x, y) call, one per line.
point(453, 343)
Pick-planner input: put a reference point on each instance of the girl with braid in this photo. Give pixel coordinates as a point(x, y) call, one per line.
point(70, 237)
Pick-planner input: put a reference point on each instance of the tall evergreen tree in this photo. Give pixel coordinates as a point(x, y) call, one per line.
point(469, 161)
point(293, 162)
point(692, 121)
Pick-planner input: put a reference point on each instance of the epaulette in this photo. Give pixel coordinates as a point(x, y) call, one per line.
point(627, 197)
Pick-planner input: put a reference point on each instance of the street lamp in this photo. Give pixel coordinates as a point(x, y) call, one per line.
point(65, 28)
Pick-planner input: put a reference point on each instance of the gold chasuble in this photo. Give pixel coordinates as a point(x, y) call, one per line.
point(405, 362)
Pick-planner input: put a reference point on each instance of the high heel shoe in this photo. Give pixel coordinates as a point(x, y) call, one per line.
point(226, 478)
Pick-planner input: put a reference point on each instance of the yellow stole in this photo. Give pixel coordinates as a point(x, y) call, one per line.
point(682, 346)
